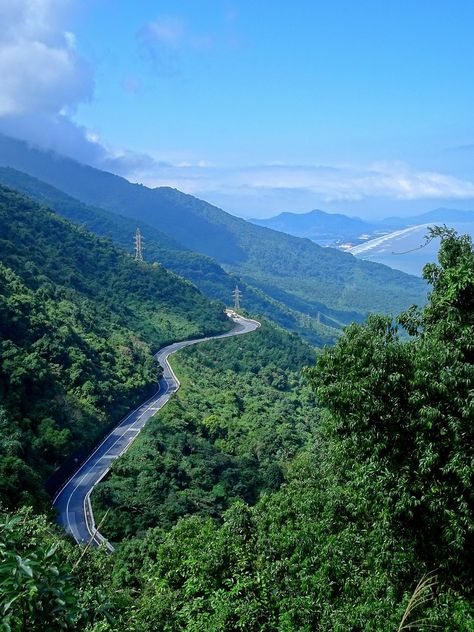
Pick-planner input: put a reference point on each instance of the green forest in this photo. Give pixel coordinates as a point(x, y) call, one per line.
point(241, 416)
point(278, 491)
point(78, 322)
point(200, 269)
point(293, 281)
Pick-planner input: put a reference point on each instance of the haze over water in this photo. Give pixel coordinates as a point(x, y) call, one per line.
point(404, 249)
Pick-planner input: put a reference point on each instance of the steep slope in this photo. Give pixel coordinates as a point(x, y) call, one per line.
point(295, 271)
point(203, 271)
point(376, 493)
point(381, 498)
point(78, 320)
point(240, 417)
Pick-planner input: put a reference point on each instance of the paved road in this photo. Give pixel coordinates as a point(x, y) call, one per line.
point(73, 500)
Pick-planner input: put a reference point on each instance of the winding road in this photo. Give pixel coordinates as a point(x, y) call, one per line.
point(73, 500)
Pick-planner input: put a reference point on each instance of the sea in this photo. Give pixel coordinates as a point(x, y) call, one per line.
point(407, 249)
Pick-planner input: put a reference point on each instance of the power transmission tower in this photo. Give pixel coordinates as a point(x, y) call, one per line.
point(237, 295)
point(138, 246)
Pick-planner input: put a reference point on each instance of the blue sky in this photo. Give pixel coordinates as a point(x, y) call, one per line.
point(362, 107)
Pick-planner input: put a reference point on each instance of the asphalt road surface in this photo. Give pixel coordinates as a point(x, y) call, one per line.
point(73, 500)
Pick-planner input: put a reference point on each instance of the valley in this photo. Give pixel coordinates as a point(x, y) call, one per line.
point(216, 416)
point(312, 290)
point(72, 502)
point(244, 494)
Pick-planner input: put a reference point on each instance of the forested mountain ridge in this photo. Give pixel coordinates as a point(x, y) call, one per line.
point(203, 271)
point(381, 497)
point(373, 497)
point(78, 322)
point(294, 271)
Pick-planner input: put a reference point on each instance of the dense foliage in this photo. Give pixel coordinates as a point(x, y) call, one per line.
point(299, 274)
point(78, 320)
point(48, 584)
point(384, 496)
point(240, 417)
point(374, 496)
point(203, 271)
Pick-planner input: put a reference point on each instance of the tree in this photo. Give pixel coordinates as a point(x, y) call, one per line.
point(382, 497)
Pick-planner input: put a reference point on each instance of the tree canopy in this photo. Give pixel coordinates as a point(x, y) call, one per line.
point(377, 495)
point(78, 322)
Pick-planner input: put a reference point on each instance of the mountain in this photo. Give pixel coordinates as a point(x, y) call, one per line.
point(317, 225)
point(255, 500)
point(203, 271)
point(330, 228)
point(397, 242)
point(323, 283)
point(220, 451)
point(78, 321)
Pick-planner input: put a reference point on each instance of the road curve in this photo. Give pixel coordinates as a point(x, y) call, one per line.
point(72, 502)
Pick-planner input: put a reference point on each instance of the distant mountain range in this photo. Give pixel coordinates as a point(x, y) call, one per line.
point(395, 241)
point(316, 225)
point(331, 228)
point(444, 215)
point(294, 281)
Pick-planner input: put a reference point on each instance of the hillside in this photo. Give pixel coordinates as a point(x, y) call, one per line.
point(305, 277)
point(203, 271)
point(260, 501)
point(377, 498)
point(397, 242)
point(78, 322)
point(239, 419)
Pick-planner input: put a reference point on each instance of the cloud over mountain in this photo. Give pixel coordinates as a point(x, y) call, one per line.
point(43, 79)
point(40, 69)
point(306, 186)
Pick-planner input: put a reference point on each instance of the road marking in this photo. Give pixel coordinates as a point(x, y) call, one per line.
point(79, 483)
point(161, 397)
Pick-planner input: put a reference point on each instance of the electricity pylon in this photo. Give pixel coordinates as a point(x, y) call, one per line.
point(237, 296)
point(138, 246)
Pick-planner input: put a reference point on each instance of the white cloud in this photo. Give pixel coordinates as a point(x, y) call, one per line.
point(330, 182)
point(39, 68)
point(275, 186)
point(168, 31)
point(42, 79)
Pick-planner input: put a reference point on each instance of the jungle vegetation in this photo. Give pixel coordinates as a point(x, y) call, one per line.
point(308, 501)
point(159, 247)
point(314, 283)
point(79, 320)
point(229, 434)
